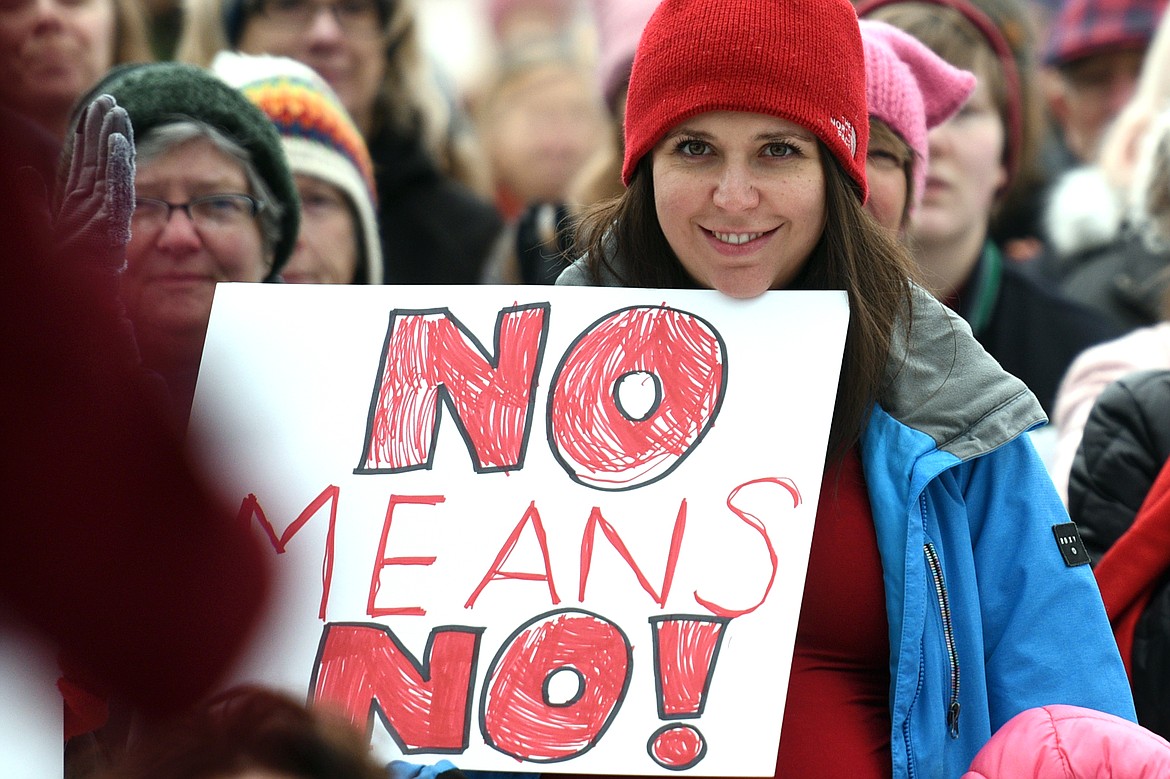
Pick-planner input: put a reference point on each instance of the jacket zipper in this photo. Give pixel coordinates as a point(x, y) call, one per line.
point(944, 605)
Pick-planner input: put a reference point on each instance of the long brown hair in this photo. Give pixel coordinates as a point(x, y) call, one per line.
point(131, 34)
point(854, 254)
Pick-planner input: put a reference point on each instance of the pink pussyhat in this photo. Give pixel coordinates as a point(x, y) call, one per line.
point(910, 88)
point(619, 26)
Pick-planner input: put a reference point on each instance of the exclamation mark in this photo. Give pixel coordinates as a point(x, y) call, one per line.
point(685, 650)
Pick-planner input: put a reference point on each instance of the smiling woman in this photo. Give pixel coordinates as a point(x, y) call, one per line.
point(741, 198)
point(746, 143)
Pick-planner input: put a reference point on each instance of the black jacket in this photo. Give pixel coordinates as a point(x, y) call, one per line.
point(1123, 280)
point(1126, 443)
point(1032, 330)
point(434, 229)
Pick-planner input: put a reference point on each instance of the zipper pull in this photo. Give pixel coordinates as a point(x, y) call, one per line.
point(953, 719)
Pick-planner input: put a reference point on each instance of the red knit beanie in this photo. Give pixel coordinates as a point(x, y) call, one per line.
point(800, 60)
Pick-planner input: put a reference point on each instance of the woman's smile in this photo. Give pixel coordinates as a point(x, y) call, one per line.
point(741, 199)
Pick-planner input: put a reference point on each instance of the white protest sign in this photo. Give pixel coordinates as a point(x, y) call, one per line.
point(529, 528)
point(32, 721)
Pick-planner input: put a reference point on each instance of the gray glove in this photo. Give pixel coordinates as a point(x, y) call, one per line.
point(96, 196)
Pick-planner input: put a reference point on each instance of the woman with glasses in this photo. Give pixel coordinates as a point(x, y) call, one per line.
point(435, 226)
point(215, 201)
point(338, 241)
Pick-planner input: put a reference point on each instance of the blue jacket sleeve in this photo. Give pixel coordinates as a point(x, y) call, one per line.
point(1047, 639)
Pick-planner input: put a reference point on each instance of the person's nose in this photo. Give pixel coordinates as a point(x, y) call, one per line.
point(324, 25)
point(179, 233)
point(736, 189)
point(46, 12)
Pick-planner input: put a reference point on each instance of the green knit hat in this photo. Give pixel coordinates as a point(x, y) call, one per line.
point(159, 92)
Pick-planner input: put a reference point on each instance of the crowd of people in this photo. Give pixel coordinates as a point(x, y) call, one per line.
point(987, 180)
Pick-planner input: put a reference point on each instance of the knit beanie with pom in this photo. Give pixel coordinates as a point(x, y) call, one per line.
point(799, 60)
point(318, 135)
point(910, 88)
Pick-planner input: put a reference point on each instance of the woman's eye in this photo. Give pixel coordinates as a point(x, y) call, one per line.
point(884, 159)
point(780, 150)
point(693, 148)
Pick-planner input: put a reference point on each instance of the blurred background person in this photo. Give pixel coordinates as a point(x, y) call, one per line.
point(909, 90)
point(1143, 348)
point(1097, 255)
point(338, 242)
point(977, 161)
point(1092, 56)
point(214, 201)
point(1119, 496)
point(541, 119)
point(53, 51)
point(539, 245)
point(251, 732)
point(436, 221)
point(1004, 28)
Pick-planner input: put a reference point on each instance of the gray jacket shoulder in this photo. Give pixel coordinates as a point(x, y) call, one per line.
point(576, 275)
point(941, 381)
point(579, 275)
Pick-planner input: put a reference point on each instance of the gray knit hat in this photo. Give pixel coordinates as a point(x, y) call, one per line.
point(159, 92)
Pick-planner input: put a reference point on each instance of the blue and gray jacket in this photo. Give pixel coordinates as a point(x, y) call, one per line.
point(987, 618)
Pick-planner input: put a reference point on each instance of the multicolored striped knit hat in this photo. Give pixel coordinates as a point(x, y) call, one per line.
point(319, 137)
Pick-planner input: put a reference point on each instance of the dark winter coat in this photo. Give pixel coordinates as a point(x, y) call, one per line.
point(434, 229)
point(1125, 446)
point(1122, 280)
point(1028, 327)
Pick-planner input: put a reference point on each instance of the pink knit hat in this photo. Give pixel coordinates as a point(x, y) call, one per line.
point(499, 10)
point(910, 88)
point(800, 60)
point(619, 26)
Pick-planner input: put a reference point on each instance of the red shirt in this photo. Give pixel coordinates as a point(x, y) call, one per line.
point(837, 716)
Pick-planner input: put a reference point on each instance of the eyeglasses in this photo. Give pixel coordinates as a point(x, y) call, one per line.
point(209, 213)
point(364, 17)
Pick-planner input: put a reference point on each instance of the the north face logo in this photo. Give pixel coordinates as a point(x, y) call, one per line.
point(847, 134)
